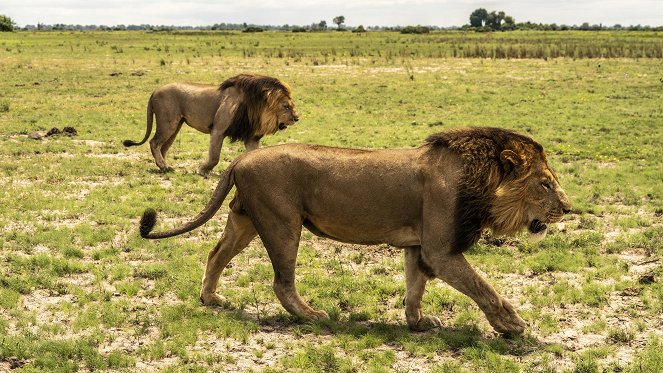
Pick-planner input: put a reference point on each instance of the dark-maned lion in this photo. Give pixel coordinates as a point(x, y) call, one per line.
point(245, 107)
point(434, 201)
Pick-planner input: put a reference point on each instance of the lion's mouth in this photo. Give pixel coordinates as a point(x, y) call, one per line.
point(282, 126)
point(537, 226)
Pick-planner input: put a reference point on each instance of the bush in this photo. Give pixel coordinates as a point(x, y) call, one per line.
point(6, 24)
point(359, 28)
point(253, 29)
point(415, 30)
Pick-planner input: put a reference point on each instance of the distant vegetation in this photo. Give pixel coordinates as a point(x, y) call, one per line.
point(415, 30)
point(6, 24)
point(480, 20)
point(316, 27)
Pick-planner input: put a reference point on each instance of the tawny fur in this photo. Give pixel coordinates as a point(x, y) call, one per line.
point(434, 201)
point(244, 108)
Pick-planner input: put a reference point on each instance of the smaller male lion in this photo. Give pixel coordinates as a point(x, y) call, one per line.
point(434, 201)
point(245, 107)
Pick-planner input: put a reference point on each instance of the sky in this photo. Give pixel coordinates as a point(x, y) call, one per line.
point(443, 13)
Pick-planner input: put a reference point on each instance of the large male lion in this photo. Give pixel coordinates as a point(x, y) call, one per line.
point(434, 201)
point(245, 107)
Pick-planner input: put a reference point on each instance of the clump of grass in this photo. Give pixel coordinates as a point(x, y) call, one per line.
point(619, 335)
point(649, 359)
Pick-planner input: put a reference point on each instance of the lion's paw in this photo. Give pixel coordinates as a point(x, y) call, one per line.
point(426, 323)
point(506, 320)
point(212, 299)
point(204, 172)
point(317, 315)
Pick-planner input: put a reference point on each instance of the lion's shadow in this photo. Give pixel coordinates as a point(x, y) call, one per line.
point(447, 338)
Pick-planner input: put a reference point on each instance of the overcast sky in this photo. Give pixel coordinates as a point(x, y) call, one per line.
point(304, 12)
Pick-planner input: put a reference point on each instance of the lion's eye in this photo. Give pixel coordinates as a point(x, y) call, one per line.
point(546, 185)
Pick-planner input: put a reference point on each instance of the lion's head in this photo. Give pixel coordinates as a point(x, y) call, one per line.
point(529, 195)
point(265, 107)
point(506, 184)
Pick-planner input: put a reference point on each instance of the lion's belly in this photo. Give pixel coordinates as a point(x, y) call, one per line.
point(364, 234)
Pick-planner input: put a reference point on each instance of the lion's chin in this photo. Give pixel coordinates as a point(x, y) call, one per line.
point(537, 230)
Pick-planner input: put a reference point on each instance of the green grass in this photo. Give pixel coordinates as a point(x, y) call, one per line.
point(82, 291)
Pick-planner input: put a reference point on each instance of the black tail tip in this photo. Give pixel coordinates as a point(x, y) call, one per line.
point(128, 143)
point(147, 222)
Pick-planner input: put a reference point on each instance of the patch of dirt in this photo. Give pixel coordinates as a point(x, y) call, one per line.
point(90, 143)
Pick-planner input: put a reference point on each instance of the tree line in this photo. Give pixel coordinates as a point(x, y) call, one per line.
point(480, 20)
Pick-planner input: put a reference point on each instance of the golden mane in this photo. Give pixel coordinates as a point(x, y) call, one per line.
point(256, 113)
point(492, 189)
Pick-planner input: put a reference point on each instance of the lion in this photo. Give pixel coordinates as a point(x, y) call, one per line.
point(245, 107)
point(434, 201)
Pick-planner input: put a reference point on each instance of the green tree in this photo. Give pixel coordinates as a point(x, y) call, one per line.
point(478, 17)
point(339, 21)
point(494, 20)
point(510, 23)
point(6, 23)
point(359, 28)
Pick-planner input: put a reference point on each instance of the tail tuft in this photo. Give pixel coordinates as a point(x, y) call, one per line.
point(147, 222)
point(128, 143)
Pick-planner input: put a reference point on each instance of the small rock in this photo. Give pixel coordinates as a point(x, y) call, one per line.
point(647, 279)
point(15, 363)
point(631, 292)
point(36, 135)
point(53, 131)
point(70, 131)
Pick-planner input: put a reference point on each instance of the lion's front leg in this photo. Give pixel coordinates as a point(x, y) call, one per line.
point(214, 152)
point(457, 272)
point(415, 282)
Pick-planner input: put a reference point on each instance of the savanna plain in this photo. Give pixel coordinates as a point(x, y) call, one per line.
point(81, 291)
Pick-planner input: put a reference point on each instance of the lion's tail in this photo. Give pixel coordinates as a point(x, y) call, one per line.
point(226, 182)
point(150, 115)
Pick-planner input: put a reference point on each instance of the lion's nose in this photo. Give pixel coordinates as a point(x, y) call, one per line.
point(296, 118)
point(566, 210)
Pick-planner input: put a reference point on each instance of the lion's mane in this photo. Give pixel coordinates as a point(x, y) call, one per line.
point(252, 116)
point(482, 180)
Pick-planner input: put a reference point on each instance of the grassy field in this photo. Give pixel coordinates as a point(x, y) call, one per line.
point(81, 291)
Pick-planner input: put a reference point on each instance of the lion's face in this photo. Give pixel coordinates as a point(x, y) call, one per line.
point(279, 113)
point(530, 197)
point(287, 115)
point(546, 200)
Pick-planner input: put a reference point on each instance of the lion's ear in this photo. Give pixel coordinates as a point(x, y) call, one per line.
point(510, 160)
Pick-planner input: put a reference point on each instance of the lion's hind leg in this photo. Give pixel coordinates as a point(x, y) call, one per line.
point(163, 139)
point(282, 243)
point(237, 235)
point(168, 143)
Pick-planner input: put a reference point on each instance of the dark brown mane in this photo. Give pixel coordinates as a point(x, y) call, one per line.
point(246, 119)
point(479, 149)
